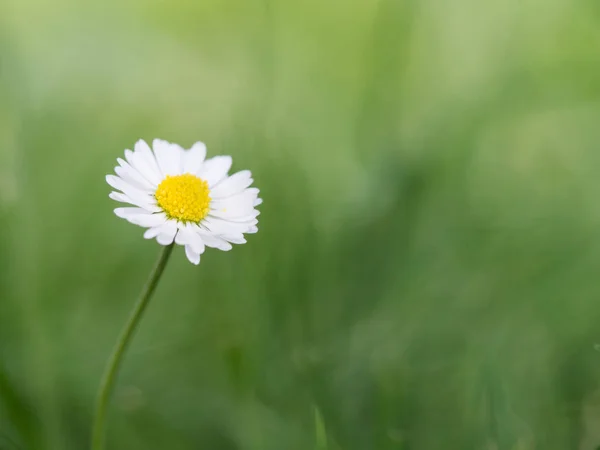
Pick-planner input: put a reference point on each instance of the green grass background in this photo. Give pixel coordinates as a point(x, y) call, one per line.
point(427, 271)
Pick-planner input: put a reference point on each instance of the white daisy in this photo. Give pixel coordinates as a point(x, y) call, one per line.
point(179, 196)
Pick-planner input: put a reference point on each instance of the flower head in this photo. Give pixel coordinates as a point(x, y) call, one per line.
point(179, 196)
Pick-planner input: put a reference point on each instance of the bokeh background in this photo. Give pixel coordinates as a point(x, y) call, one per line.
point(427, 271)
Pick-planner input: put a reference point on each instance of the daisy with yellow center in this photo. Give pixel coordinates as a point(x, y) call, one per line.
point(181, 197)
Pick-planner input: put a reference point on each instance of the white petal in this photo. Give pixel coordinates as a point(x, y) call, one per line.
point(141, 198)
point(148, 220)
point(235, 216)
point(151, 233)
point(215, 169)
point(192, 256)
point(132, 176)
point(180, 238)
point(249, 218)
point(141, 217)
point(123, 198)
point(238, 205)
point(124, 213)
point(220, 226)
point(164, 228)
point(120, 197)
point(168, 157)
point(167, 233)
point(142, 147)
point(211, 240)
point(119, 183)
point(252, 230)
point(144, 161)
point(258, 201)
point(253, 190)
point(195, 240)
point(165, 239)
point(193, 158)
point(237, 238)
point(187, 235)
point(232, 185)
point(138, 162)
point(216, 242)
point(180, 151)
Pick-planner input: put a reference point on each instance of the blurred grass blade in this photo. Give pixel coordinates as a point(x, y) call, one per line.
point(320, 431)
point(19, 414)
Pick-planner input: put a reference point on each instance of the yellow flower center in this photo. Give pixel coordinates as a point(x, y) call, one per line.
point(184, 197)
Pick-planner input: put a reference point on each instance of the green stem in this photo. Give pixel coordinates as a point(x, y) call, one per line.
point(112, 369)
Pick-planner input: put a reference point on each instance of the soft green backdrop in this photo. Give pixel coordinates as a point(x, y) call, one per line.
point(427, 271)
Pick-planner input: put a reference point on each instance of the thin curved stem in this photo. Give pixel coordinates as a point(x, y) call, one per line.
point(114, 363)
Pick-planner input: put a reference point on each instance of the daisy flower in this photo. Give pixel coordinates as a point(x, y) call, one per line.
point(181, 197)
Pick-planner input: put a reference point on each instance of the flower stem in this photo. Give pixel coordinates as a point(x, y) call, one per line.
point(114, 363)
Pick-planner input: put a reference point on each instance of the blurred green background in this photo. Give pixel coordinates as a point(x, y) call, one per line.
point(427, 271)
